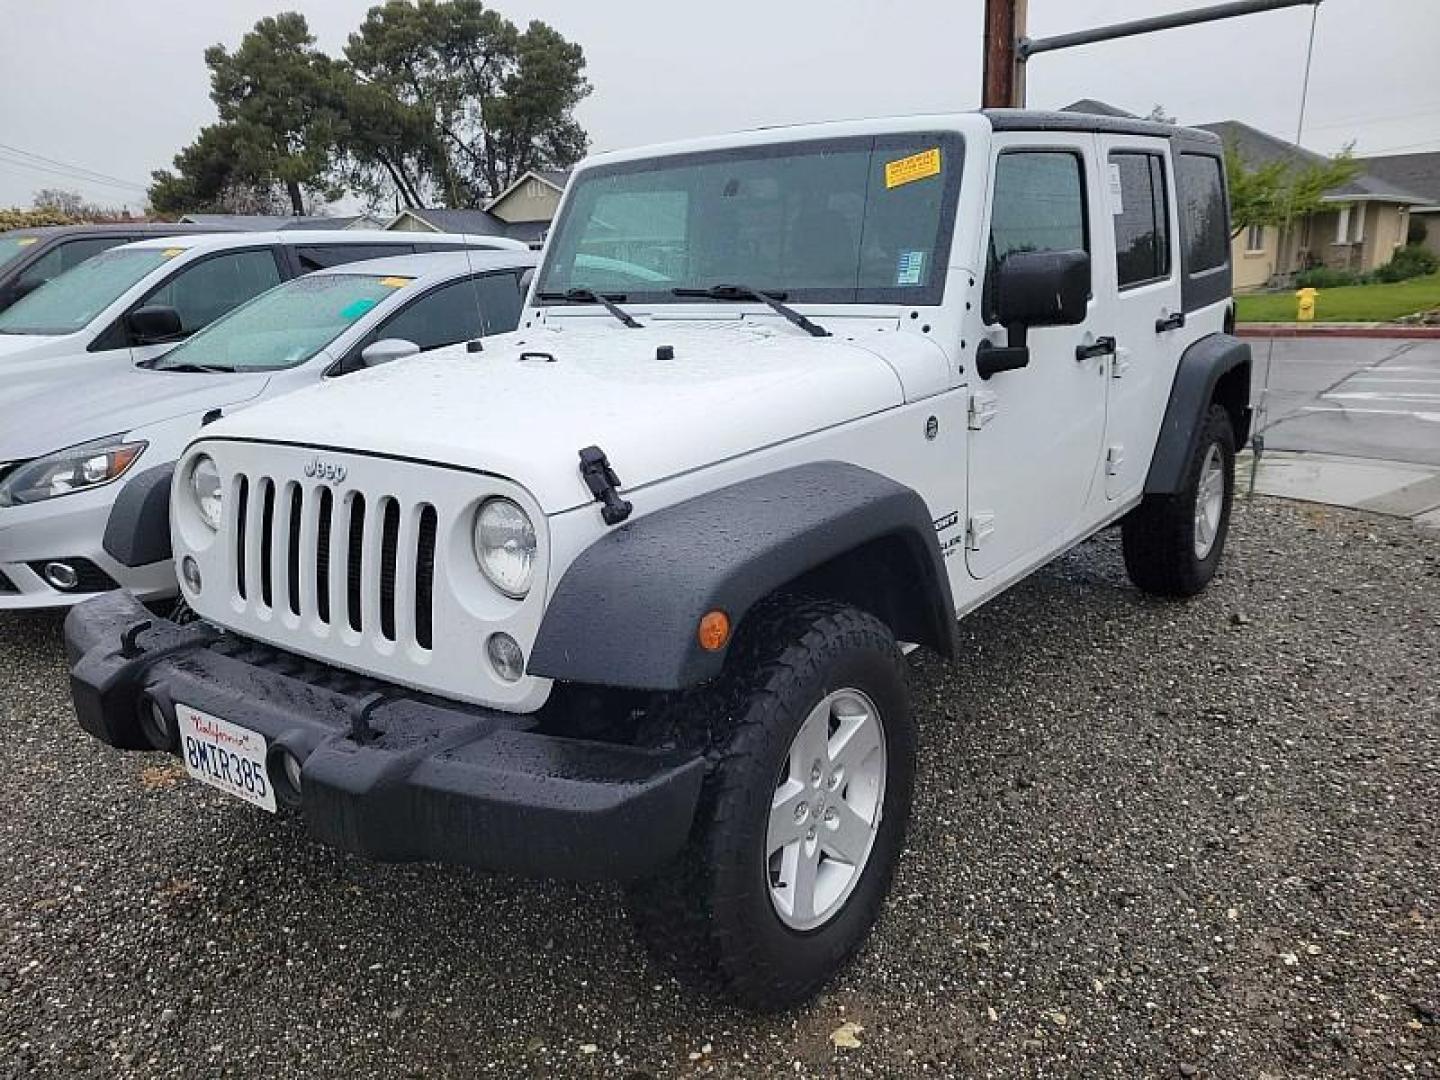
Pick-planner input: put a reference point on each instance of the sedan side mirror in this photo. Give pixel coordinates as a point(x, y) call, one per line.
point(1034, 288)
point(387, 350)
point(154, 324)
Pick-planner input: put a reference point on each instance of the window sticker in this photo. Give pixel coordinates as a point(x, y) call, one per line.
point(395, 282)
point(26, 241)
point(915, 167)
point(170, 253)
point(1117, 195)
point(911, 270)
point(354, 310)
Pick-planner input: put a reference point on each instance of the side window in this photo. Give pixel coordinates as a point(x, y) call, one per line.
point(205, 290)
point(319, 256)
point(1142, 221)
point(75, 252)
point(41, 270)
point(1205, 231)
point(444, 316)
point(501, 302)
point(1039, 205)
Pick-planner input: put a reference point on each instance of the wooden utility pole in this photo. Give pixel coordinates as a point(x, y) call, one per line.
point(1004, 70)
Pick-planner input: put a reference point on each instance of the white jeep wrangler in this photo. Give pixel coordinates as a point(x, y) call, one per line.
point(625, 594)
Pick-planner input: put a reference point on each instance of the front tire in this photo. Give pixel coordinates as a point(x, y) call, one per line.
point(803, 814)
point(1173, 543)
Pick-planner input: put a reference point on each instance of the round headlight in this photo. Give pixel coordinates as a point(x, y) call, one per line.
point(505, 546)
point(205, 487)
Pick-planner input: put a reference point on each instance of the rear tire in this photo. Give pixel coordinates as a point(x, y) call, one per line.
point(812, 757)
point(1173, 543)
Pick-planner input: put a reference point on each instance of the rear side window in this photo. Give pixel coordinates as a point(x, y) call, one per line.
point(320, 256)
point(1142, 222)
point(1202, 209)
point(74, 252)
point(211, 287)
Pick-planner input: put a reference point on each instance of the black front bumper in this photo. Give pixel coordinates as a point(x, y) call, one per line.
point(386, 773)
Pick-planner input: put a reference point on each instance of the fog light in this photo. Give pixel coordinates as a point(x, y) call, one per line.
point(156, 724)
point(506, 657)
point(190, 571)
point(285, 775)
point(61, 575)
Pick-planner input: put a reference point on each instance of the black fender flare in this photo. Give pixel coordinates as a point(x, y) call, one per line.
point(1216, 367)
point(627, 610)
point(137, 532)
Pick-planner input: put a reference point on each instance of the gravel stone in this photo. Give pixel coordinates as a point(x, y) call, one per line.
point(1128, 813)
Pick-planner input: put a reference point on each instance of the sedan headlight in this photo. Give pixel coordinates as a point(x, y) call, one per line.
point(76, 469)
point(505, 546)
point(205, 490)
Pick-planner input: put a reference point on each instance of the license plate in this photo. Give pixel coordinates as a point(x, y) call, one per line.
point(225, 756)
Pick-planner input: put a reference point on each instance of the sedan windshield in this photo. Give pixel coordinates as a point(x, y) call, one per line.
point(853, 220)
point(284, 327)
point(13, 245)
point(66, 304)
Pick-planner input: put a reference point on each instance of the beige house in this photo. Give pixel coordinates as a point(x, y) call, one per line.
point(1362, 223)
point(1419, 173)
point(523, 211)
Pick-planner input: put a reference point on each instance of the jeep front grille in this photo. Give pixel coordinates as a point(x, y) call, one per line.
point(337, 557)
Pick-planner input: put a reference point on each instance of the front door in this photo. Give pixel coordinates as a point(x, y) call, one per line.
point(1036, 432)
point(1145, 315)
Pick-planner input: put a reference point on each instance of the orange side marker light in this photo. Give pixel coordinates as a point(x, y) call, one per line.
point(714, 630)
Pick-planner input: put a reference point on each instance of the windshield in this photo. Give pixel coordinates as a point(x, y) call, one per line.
point(858, 220)
point(69, 302)
point(13, 245)
point(285, 326)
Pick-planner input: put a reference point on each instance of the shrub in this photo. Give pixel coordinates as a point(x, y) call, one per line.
point(1325, 277)
point(1408, 262)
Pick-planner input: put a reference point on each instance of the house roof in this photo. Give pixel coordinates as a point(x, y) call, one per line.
point(362, 221)
point(1098, 108)
point(249, 222)
point(1257, 147)
point(474, 222)
point(1419, 173)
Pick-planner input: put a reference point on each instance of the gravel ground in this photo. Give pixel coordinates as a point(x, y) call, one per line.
point(1150, 839)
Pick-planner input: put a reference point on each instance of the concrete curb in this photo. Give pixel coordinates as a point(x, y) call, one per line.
point(1393, 488)
point(1338, 330)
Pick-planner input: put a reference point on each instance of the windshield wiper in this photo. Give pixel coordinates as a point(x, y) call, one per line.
point(590, 296)
point(770, 299)
point(196, 369)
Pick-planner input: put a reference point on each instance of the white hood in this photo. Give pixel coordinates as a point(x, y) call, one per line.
point(38, 345)
point(730, 389)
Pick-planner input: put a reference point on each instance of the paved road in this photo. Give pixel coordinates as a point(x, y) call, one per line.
point(1357, 397)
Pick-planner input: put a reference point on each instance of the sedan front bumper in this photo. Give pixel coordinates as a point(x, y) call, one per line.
point(385, 773)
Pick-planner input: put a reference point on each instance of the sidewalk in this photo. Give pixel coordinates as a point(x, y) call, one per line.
point(1338, 330)
point(1396, 488)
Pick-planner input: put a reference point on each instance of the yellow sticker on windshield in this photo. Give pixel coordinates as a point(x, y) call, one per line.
point(915, 167)
point(395, 282)
point(26, 241)
point(170, 253)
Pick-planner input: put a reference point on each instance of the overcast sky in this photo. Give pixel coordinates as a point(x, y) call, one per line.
point(117, 86)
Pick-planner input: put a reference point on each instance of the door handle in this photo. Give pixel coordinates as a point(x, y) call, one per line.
point(1170, 322)
point(1103, 346)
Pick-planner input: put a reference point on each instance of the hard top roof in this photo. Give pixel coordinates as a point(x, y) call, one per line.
point(436, 265)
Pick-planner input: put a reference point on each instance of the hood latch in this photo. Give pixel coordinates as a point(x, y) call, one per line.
point(600, 478)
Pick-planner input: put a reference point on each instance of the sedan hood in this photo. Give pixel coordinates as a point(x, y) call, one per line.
point(659, 401)
point(50, 417)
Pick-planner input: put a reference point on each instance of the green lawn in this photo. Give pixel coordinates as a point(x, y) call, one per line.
point(1350, 303)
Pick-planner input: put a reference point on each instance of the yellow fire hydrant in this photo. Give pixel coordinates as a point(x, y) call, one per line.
point(1306, 313)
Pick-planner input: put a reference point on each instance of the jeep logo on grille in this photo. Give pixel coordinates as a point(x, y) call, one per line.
point(323, 470)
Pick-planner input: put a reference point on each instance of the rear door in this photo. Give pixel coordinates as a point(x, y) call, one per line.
point(1142, 280)
point(1036, 432)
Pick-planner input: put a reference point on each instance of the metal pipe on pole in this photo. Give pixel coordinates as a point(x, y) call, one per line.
point(1007, 48)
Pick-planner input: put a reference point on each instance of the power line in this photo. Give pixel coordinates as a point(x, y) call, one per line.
point(79, 172)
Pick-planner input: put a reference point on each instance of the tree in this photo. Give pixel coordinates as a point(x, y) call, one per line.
point(71, 204)
point(279, 100)
point(1159, 115)
point(495, 101)
point(278, 91)
point(1279, 191)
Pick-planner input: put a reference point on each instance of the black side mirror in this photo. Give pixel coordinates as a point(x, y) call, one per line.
point(1034, 288)
point(155, 324)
